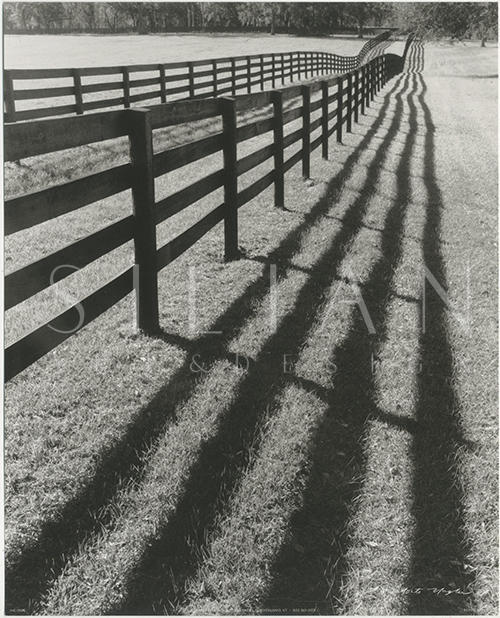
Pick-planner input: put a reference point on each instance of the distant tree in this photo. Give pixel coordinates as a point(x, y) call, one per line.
point(219, 15)
point(274, 12)
point(484, 21)
point(112, 20)
point(88, 10)
point(144, 17)
point(359, 12)
point(363, 13)
point(10, 18)
point(456, 19)
point(128, 12)
point(50, 15)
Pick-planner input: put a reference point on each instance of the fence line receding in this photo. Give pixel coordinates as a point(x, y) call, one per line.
point(76, 91)
point(338, 101)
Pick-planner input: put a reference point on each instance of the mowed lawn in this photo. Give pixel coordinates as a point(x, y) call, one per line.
point(56, 51)
point(44, 51)
point(275, 449)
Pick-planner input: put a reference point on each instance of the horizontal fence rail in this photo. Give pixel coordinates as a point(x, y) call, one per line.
point(76, 91)
point(337, 99)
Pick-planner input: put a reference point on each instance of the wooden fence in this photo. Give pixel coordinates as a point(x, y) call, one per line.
point(350, 94)
point(175, 80)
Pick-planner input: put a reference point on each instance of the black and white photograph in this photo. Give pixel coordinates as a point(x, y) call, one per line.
point(250, 303)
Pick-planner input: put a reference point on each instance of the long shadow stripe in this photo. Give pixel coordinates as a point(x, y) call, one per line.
point(32, 569)
point(159, 580)
point(338, 455)
point(438, 582)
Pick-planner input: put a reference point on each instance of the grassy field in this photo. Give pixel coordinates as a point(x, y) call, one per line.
point(42, 51)
point(293, 462)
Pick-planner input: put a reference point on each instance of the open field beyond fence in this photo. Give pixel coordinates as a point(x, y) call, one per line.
point(42, 51)
point(41, 92)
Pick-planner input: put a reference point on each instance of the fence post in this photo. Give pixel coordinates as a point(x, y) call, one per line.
point(349, 102)
point(8, 94)
point(273, 71)
point(249, 76)
point(126, 87)
point(163, 88)
point(191, 80)
point(362, 84)
point(143, 194)
point(372, 80)
point(262, 72)
point(367, 90)
point(340, 103)
point(233, 76)
point(306, 131)
point(214, 76)
point(228, 111)
point(356, 95)
point(279, 172)
point(77, 83)
point(282, 69)
point(324, 120)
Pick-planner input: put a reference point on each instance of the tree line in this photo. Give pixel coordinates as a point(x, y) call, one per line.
point(457, 19)
point(145, 17)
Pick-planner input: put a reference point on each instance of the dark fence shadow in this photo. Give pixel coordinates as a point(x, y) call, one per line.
point(159, 580)
point(438, 582)
point(30, 575)
point(308, 573)
point(415, 60)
